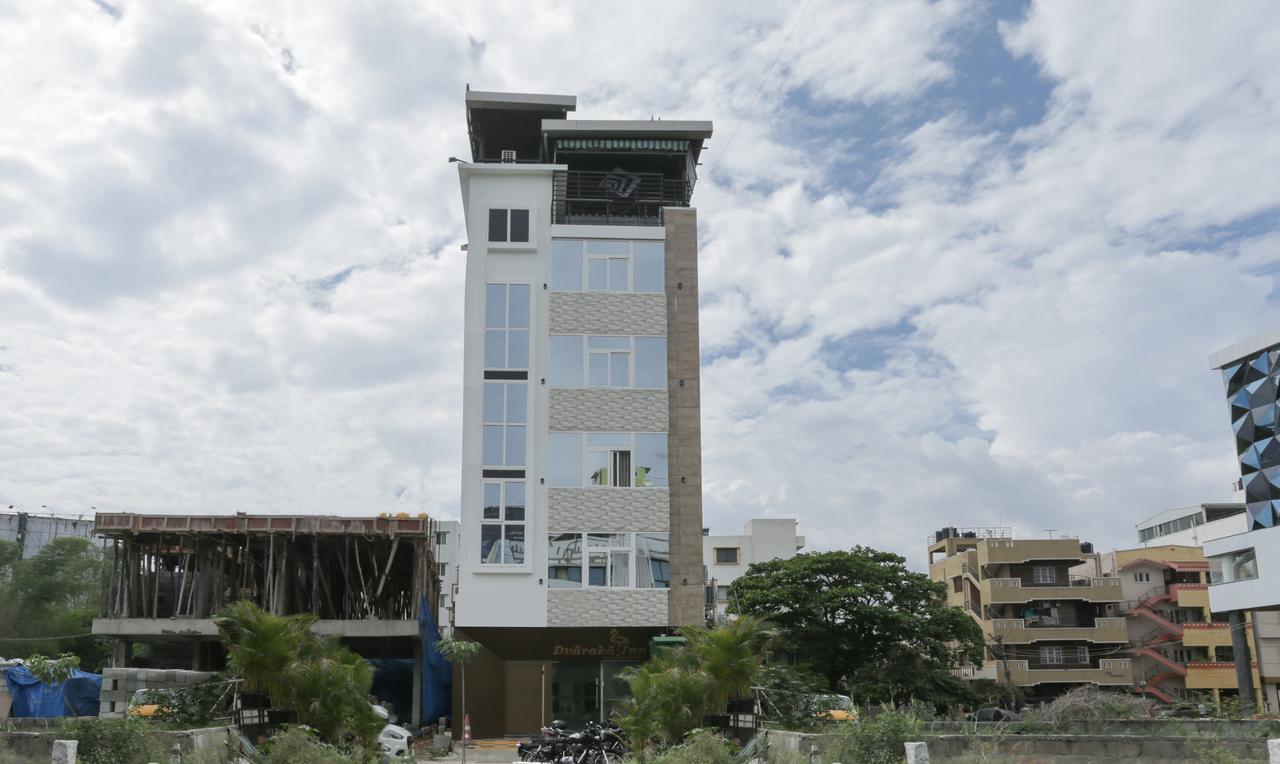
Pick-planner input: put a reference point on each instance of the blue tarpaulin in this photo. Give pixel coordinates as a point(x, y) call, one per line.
point(437, 673)
point(77, 696)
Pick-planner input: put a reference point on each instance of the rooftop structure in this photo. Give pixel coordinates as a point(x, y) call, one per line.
point(1192, 525)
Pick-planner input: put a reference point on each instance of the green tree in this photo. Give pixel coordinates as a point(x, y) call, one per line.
point(862, 619)
point(48, 602)
point(261, 646)
point(461, 652)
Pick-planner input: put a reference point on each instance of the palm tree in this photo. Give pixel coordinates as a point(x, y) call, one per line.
point(459, 651)
point(261, 646)
point(730, 654)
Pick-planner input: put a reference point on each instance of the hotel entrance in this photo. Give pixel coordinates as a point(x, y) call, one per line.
point(584, 692)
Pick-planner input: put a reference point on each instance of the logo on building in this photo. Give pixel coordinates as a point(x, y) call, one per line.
point(620, 183)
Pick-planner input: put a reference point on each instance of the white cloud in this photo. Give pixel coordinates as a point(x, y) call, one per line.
point(230, 278)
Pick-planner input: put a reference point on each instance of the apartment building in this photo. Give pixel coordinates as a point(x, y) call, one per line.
point(1193, 525)
point(725, 558)
point(1244, 568)
point(581, 515)
point(446, 546)
point(32, 532)
point(1046, 611)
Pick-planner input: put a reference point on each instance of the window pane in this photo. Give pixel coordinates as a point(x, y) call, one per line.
point(493, 445)
point(515, 447)
point(566, 265)
point(514, 554)
point(490, 546)
point(598, 467)
point(598, 370)
point(495, 306)
point(517, 402)
point(566, 361)
point(653, 561)
point(493, 401)
point(518, 311)
point(518, 349)
point(651, 362)
point(647, 267)
point(597, 568)
point(618, 274)
point(497, 225)
point(495, 349)
point(608, 247)
point(651, 459)
point(519, 225)
point(599, 540)
point(608, 440)
point(619, 369)
point(608, 342)
point(620, 568)
point(597, 274)
point(515, 500)
point(566, 459)
point(492, 501)
point(564, 560)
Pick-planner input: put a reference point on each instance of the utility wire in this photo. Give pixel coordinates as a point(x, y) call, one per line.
point(760, 87)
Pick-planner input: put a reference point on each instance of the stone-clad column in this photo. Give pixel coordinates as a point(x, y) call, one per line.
point(684, 442)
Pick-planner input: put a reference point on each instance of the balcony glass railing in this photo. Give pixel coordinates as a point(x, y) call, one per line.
point(618, 197)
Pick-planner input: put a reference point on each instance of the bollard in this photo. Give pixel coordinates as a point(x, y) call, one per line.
point(175, 754)
point(64, 751)
point(1273, 751)
point(917, 753)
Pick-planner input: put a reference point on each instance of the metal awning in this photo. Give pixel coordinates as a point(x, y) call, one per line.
point(623, 144)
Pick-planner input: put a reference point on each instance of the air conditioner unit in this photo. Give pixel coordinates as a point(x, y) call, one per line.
point(508, 155)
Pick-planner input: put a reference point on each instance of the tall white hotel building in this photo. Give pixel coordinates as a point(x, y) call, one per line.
point(581, 464)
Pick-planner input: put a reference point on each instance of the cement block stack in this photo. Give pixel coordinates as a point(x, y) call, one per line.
point(120, 684)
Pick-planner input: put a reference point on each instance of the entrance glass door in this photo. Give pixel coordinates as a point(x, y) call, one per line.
point(615, 689)
point(575, 693)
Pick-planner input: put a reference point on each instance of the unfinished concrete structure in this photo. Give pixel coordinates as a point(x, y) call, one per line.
point(364, 578)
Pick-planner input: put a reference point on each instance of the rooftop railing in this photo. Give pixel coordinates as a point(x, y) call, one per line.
point(583, 197)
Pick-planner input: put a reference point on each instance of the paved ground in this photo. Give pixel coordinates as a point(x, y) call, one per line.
point(482, 752)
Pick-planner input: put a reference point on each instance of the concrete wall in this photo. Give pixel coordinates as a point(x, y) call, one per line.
point(37, 744)
point(607, 607)
point(120, 684)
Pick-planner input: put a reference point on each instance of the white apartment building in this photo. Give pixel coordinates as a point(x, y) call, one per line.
point(725, 558)
point(1192, 525)
point(446, 543)
point(581, 465)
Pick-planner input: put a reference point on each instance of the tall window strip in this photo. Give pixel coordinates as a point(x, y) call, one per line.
point(506, 406)
point(613, 265)
point(608, 361)
point(502, 523)
point(506, 326)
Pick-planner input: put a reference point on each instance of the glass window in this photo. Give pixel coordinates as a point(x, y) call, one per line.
point(514, 507)
point(490, 544)
point(518, 307)
point(564, 560)
point(517, 402)
point(1051, 655)
point(566, 360)
point(653, 561)
point(597, 274)
point(505, 409)
point(647, 267)
point(618, 267)
point(492, 501)
point(609, 559)
point(515, 447)
point(493, 447)
point(651, 362)
point(566, 265)
point(497, 225)
point(651, 459)
point(495, 402)
point(608, 247)
point(495, 306)
point(619, 369)
point(1082, 654)
point(608, 342)
point(1045, 575)
point(1241, 565)
point(566, 459)
point(517, 349)
point(727, 555)
point(598, 370)
point(502, 529)
point(495, 349)
point(519, 225)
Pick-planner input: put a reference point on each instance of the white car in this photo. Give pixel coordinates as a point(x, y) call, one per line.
point(395, 741)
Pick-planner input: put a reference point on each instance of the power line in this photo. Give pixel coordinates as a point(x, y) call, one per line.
point(41, 639)
point(760, 87)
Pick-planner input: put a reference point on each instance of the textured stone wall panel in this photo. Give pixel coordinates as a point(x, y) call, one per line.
point(609, 410)
point(606, 607)
point(608, 509)
point(608, 313)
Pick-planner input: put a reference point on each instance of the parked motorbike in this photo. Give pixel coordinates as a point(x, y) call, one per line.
point(594, 744)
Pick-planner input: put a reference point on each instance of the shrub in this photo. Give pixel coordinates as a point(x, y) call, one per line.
point(297, 745)
point(701, 747)
point(113, 741)
point(1089, 704)
point(878, 739)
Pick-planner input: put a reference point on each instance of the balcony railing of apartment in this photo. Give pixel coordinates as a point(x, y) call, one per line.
point(1073, 581)
point(974, 672)
point(1110, 671)
point(585, 197)
point(1013, 590)
point(1018, 630)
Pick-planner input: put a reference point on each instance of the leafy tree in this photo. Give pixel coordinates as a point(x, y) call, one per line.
point(261, 646)
point(669, 697)
point(862, 619)
point(48, 602)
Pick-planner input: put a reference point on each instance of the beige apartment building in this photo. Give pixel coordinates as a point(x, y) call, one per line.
point(1048, 614)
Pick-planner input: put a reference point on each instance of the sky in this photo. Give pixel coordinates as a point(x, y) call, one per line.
point(962, 263)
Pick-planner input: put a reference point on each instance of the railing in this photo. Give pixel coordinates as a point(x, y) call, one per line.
point(971, 534)
point(615, 198)
point(974, 672)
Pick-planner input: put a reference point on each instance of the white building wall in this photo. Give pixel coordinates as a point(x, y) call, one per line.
point(1259, 593)
point(762, 539)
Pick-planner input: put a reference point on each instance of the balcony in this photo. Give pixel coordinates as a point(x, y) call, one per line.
point(1015, 631)
point(1209, 675)
point(975, 672)
point(583, 197)
point(997, 591)
point(1109, 672)
point(1012, 551)
point(1206, 635)
point(1190, 595)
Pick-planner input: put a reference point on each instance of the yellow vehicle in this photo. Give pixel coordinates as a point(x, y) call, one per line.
point(836, 708)
point(146, 704)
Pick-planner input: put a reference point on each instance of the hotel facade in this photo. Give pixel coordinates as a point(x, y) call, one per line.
point(581, 517)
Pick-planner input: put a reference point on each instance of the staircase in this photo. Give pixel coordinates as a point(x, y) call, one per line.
point(1146, 612)
point(1152, 690)
point(1158, 657)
